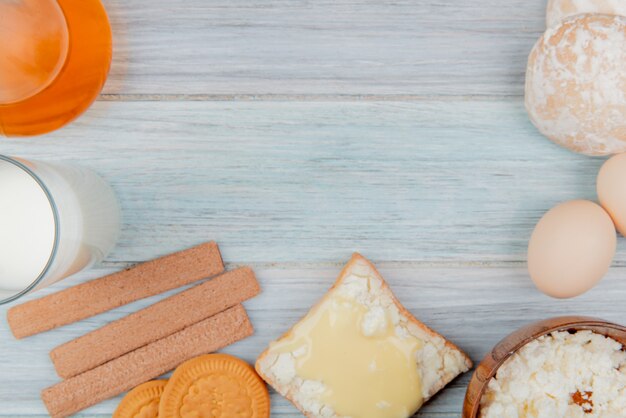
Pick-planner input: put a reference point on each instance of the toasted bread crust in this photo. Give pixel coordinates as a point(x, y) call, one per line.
point(356, 257)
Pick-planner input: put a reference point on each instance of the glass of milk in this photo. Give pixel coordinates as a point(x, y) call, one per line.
point(55, 220)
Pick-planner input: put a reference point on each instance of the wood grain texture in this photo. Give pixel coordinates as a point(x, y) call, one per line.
point(294, 132)
point(428, 181)
point(329, 47)
point(459, 302)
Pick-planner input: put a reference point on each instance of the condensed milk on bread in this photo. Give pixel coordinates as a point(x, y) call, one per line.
point(359, 353)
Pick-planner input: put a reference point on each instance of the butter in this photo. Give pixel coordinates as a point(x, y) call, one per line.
point(349, 353)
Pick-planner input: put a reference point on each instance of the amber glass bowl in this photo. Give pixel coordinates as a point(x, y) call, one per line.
point(54, 59)
point(509, 345)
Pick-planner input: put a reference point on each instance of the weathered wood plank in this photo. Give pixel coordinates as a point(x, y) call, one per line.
point(473, 306)
point(300, 182)
point(444, 192)
point(334, 47)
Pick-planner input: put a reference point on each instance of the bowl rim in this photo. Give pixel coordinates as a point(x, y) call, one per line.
point(490, 364)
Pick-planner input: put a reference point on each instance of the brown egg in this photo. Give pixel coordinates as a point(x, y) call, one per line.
point(612, 190)
point(571, 248)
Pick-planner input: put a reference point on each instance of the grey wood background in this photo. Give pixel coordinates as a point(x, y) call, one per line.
point(296, 132)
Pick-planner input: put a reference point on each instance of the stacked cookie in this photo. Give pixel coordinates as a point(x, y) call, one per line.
point(576, 76)
point(211, 385)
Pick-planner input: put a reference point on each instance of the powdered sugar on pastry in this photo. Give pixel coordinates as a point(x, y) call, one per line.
point(559, 10)
point(576, 84)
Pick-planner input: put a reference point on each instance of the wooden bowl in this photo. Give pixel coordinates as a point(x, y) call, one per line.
point(513, 342)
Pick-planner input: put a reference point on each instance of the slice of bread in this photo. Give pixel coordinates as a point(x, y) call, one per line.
point(436, 360)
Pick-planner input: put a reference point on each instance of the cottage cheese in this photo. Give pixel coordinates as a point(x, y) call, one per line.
point(561, 375)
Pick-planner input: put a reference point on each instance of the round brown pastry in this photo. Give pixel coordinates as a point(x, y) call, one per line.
point(559, 10)
point(576, 84)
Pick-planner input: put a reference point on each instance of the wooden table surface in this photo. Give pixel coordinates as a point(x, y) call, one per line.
point(296, 132)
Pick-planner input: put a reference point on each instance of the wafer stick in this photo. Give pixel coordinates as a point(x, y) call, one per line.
point(125, 372)
point(154, 322)
point(109, 292)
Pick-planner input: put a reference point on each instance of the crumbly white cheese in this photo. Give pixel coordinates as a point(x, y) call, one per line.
point(436, 362)
point(544, 378)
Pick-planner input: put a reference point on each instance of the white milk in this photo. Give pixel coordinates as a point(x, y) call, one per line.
point(56, 234)
point(27, 228)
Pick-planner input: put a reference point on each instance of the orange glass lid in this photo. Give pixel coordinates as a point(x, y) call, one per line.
point(54, 60)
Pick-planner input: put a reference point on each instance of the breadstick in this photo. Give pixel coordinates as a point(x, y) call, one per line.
point(112, 291)
point(154, 322)
point(131, 369)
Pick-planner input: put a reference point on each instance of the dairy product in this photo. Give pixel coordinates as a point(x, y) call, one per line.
point(359, 353)
point(54, 221)
point(373, 371)
point(27, 228)
point(561, 375)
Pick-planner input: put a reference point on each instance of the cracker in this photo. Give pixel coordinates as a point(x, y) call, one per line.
point(112, 291)
point(154, 322)
point(125, 372)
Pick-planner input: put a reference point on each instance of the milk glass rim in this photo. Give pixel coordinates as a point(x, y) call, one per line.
point(55, 215)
